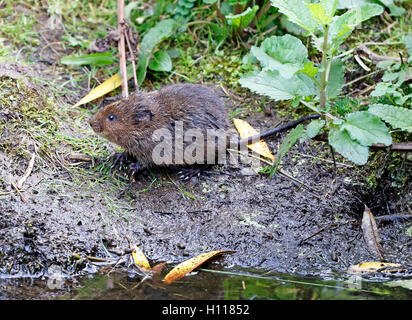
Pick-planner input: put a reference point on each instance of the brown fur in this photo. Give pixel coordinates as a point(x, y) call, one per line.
point(139, 115)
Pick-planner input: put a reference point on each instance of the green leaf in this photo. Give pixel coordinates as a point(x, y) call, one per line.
point(319, 13)
point(335, 81)
point(314, 128)
point(330, 6)
point(343, 25)
point(309, 69)
point(286, 54)
point(243, 19)
point(94, 59)
point(349, 4)
point(397, 117)
point(298, 13)
point(128, 11)
point(291, 27)
point(345, 105)
point(366, 128)
point(394, 9)
point(285, 146)
point(277, 87)
point(249, 59)
point(382, 89)
point(390, 76)
point(152, 38)
point(385, 64)
point(341, 141)
point(220, 32)
point(161, 61)
point(408, 43)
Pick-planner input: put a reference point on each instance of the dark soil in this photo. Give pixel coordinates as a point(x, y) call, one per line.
point(307, 224)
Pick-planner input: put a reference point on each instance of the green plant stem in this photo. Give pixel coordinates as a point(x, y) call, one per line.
point(323, 78)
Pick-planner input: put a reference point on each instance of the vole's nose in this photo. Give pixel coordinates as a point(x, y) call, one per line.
point(96, 126)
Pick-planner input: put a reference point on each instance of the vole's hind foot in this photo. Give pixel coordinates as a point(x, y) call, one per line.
point(188, 173)
point(133, 169)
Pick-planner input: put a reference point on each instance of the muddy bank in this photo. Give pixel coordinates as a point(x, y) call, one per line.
point(307, 222)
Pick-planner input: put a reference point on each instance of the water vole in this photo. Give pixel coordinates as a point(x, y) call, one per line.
point(134, 123)
point(131, 122)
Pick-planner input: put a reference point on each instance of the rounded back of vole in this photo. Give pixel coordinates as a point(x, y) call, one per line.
point(131, 122)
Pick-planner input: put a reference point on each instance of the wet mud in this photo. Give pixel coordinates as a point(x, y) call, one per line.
point(306, 220)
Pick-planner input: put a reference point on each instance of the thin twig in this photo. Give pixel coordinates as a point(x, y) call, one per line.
point(316, 110)
point(318, 158)
point(362, 77)
point(282, 172)
point(268, 31)
point(19, 192)
point(395, 146)
point(361, 63)
point(316, 233)
point(345, 53)
point(389, 27)
point(228, 93)
point(369, 88)
point(132, 58)
point(383, 43)
point(79, 157)
point(122, 49)
point(49, 44)
point(376, 58)
point(27, 172)
point(334, 161)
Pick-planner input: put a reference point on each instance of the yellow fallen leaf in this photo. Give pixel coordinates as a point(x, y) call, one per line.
point(106, 87)
point(374, 267)
point(189, 265)
point(139, 258)
point(102, 89)
point(246, 130)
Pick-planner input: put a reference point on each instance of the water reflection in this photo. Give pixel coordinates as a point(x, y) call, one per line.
point(202, 285)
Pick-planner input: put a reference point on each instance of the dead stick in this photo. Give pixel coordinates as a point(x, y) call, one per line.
point(396, 146)
point(362, 77)
point(27, 172)
point(133, 58)
point(376, 58)
point(19, 192)
point(79, 157)
point(122, 49)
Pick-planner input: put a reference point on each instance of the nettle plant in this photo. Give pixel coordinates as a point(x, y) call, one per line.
point(284, 72)
point(395, 86)
point(395, 93)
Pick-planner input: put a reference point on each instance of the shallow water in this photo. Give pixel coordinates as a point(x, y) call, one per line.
point(205, 285)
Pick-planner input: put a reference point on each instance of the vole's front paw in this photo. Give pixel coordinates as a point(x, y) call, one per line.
point(120, 158)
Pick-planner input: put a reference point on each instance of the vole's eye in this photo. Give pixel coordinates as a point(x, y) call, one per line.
point(111, 117)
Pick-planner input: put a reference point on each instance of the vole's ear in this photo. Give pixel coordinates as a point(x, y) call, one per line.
point(143, 115)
